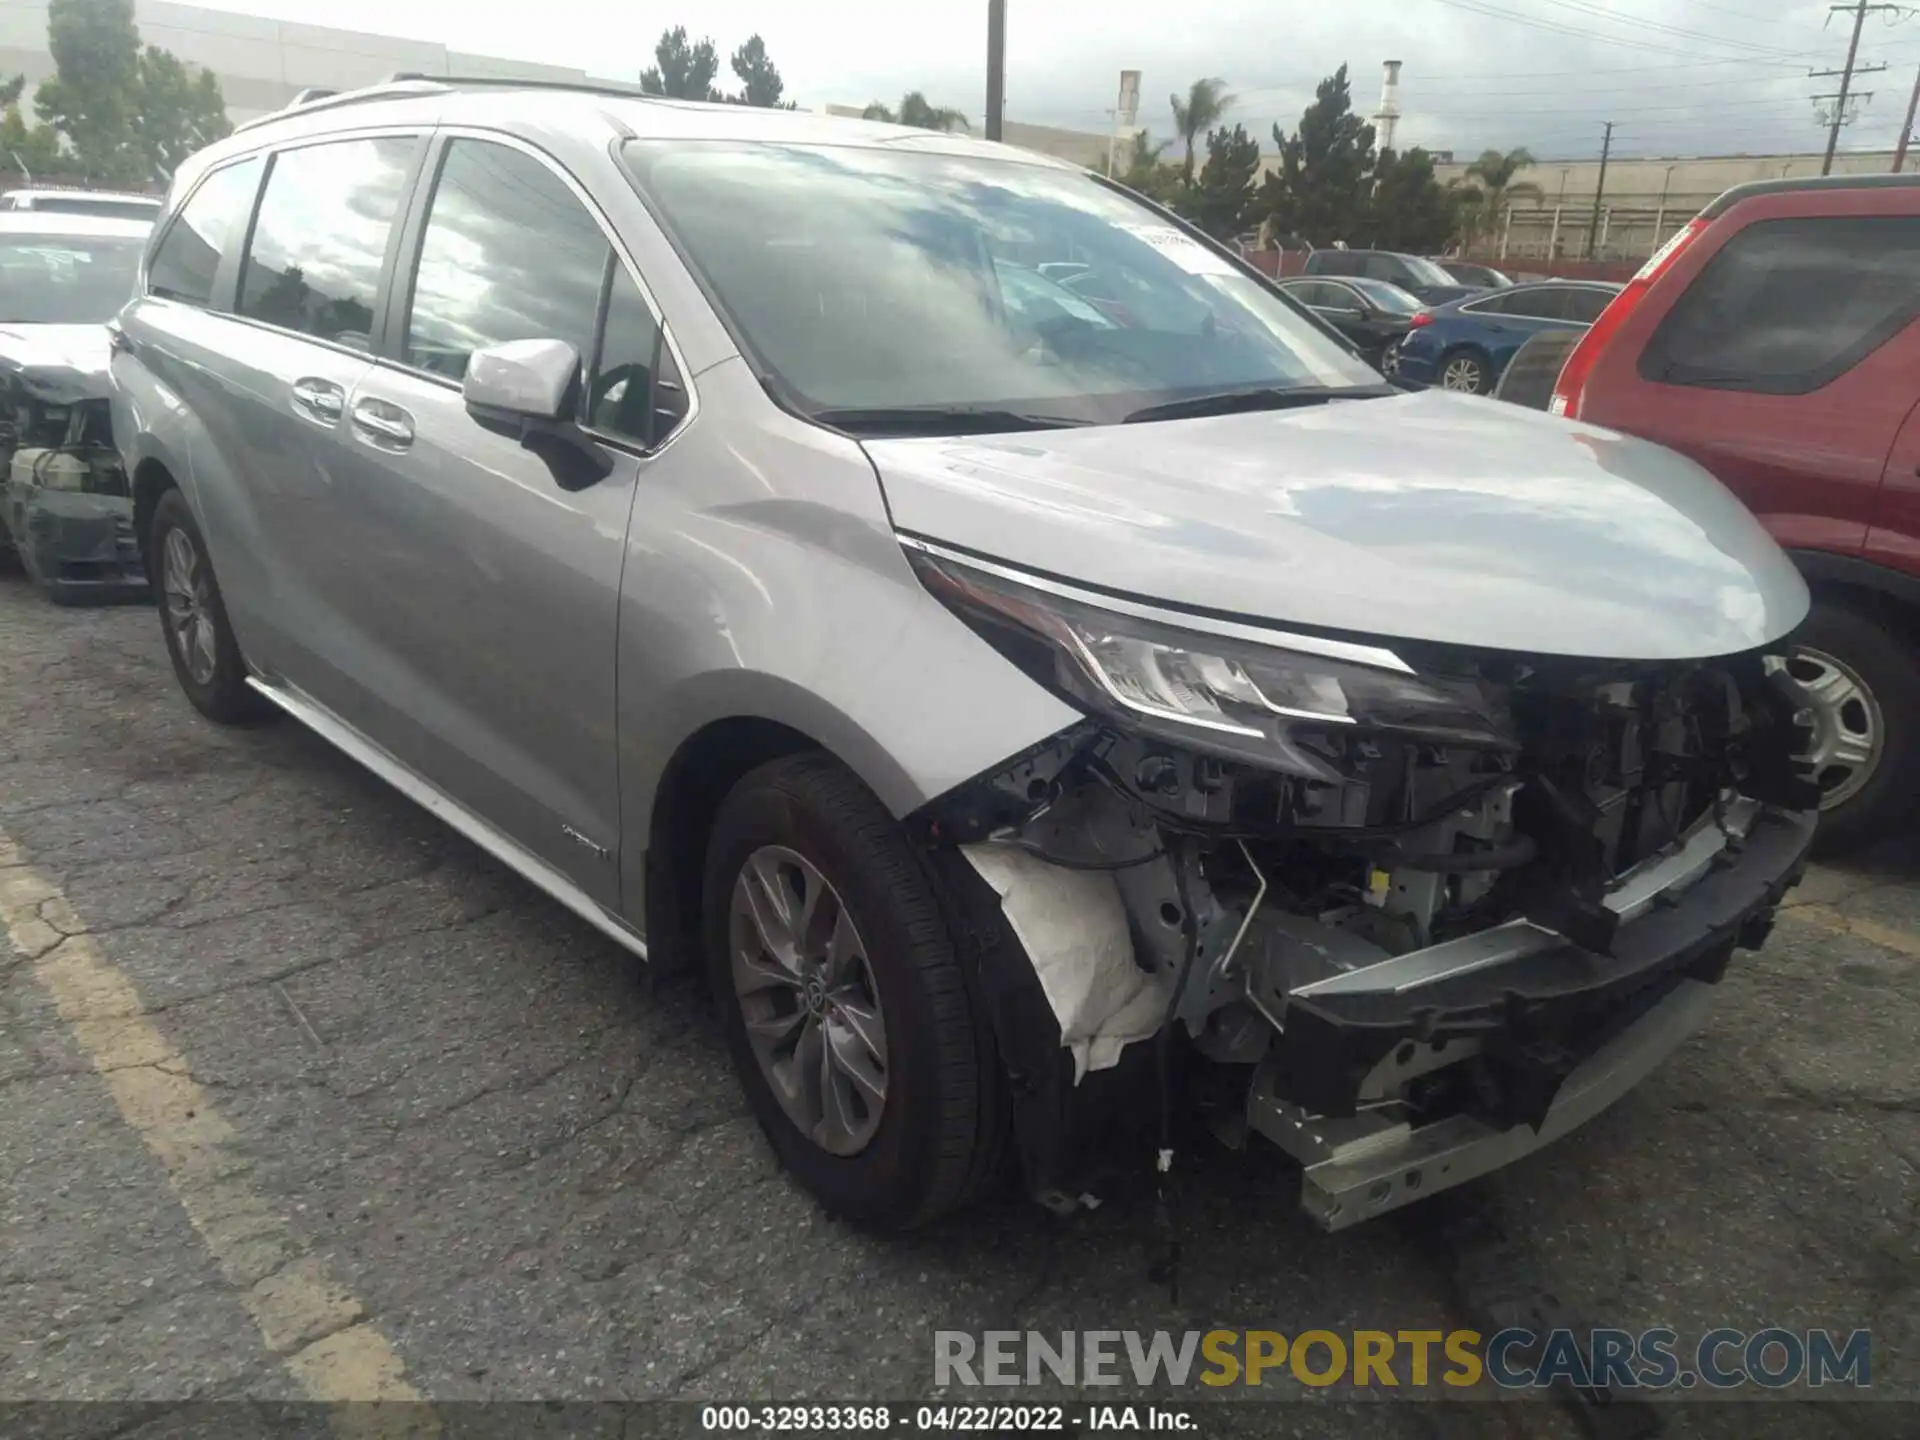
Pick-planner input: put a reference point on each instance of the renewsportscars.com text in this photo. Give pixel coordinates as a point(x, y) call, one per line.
point(1656, 1359)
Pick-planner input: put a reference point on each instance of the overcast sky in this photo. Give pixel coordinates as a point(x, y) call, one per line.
point(1678, 76)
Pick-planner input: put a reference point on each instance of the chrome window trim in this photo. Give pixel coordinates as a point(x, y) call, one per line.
point(1350, 651)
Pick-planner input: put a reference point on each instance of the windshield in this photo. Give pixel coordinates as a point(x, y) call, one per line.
point(1426, 272)
point(1386, 296)
point(880, 279)
point(57, 280)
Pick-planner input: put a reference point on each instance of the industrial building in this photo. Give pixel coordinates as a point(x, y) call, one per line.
point(261, 64)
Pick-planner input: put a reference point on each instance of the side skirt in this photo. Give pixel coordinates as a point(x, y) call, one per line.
point(438, 803)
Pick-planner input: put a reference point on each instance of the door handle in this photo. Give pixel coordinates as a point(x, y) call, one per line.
point(383, 423)
point(321, 401)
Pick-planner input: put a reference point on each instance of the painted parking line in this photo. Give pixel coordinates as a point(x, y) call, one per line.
point(317, 1328)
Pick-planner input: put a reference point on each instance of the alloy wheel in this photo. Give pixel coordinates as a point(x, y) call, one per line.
point(1390, 359)
point(1849, 732)
point(807, 995)
point(1462, 374)
point(189, 611)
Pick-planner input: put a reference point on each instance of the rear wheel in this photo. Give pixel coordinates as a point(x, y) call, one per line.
point(846, 1009)
point(1862, 679)
point(1466, 371)
point(193, 618)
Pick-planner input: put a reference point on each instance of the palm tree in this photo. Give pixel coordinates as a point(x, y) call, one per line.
point(917, 111)
point(1492, 176)
point(1205, 105)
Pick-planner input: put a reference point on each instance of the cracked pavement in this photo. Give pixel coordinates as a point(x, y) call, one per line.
point(538, 1177)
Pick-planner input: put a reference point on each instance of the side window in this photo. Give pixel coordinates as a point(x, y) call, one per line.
point(1488, 305)
point(509, 253)
point(1788, 306)
point(1387, 267)
point(1310, 292)
point(1336, 262)
point(1585, 305)
point(1549, 302)
point(184, 266)
point(636, 392)
point(321, 237)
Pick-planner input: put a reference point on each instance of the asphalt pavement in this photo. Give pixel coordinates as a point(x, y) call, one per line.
point(301, 1094)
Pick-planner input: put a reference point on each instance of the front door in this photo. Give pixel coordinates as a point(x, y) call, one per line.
point(487, 576)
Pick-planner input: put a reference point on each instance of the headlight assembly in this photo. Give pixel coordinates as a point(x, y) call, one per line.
point(1229, 689)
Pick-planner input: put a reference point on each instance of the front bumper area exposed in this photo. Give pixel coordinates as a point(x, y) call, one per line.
point(76, 545)
point(1551, 1034)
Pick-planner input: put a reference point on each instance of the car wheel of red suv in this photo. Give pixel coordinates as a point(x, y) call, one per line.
point(1863, 678)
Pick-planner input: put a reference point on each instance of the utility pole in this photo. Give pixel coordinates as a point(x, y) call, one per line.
point(1906, 131)
point(1860, 9)
point(1599, 188)
point(996, 65)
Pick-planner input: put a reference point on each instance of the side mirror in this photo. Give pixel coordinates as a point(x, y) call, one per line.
point(525, 379)
point(527, 389)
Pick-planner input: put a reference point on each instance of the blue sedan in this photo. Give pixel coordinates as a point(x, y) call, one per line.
point(1465, 344)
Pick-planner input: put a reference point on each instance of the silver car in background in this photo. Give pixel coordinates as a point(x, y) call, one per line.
point(1039, 717)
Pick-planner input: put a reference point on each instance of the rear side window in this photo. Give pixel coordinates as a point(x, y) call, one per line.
point(1388, 267)
point(188, 260)
point(321, 237)
point(509, 253)
point(1333, 262)
point(1788, 306)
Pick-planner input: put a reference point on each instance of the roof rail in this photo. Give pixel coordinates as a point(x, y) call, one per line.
point(384, 90)
point(515, 82)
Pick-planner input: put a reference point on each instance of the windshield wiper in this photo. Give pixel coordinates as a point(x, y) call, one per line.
point(1231, 402)
point(936, 420)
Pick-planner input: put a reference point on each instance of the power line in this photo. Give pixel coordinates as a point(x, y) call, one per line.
point(1478, 7)
point(1584, 7)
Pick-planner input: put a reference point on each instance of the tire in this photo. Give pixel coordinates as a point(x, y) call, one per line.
point(207, 663)
point(1841, 647)
point(936, 1139)
point(1535, 368)
point(1475, 370)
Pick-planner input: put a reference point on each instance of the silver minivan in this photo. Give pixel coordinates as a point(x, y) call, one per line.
point(1059, 715)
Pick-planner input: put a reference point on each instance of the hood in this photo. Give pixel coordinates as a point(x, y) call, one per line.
point(59, 363)
point(1420, 517)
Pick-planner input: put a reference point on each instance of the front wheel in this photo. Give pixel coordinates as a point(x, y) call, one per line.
point(845, 1006)
point(193, 618)
point(1862, 679)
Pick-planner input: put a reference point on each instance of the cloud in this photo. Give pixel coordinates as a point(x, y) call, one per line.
point(1677, 76)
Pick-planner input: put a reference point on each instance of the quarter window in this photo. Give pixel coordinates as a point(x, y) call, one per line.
point(637, 393)
point(188, 260)
point(1787, 306)
point(509, 253)
point(321, 238)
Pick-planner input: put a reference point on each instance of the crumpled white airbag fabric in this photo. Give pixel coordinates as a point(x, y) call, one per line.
point(1073, 926)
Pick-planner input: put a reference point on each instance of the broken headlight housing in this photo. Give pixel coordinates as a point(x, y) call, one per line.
point(1230, 689)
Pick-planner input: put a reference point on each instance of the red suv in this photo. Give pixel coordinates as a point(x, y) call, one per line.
point(1774, 341)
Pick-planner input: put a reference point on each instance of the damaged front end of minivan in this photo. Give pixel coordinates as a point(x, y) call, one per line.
point(1408, 911)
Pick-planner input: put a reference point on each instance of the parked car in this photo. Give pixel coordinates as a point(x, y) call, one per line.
point(1014, 733)
point(1469, 272)
point(64, 502)
point(1774, 341)
point(1466, 345)
point(111, 204)
point(1374, 315)
point(1415, 274)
